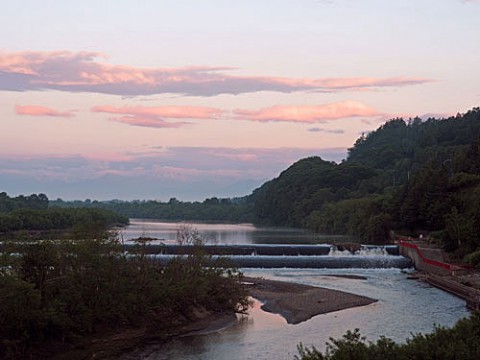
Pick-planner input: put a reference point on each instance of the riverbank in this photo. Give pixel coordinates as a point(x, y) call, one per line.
point(114, 344)
point(295, 302)
point(435, 267)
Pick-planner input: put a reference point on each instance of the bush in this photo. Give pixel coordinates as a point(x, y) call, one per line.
point(60, 291)
point(460, 342)
point(473, 258)
point(21, 316)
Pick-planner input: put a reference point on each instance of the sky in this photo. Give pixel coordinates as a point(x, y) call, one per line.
point(146, 99)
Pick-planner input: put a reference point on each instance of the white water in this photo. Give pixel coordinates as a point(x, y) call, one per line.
point(404, 306)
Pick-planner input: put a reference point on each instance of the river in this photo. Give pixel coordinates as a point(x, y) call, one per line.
point(230, 234)
point(404, 307)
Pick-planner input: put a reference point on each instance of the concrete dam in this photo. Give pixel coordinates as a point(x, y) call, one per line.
point(286, 256)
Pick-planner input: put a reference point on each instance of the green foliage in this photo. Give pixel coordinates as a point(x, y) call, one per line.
point(352, 346)
point(406, 175)
point(58, 291)
point(213, 209)
point(426, 199)
point(20, 315)
point(304, 188)
point(33, 201)
point(459, 230)
point(306, 353)
point(473, 258)
point(460, 342)
point(82, 222)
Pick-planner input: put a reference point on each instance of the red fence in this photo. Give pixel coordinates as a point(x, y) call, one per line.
point(405, 242)
point(471, 295)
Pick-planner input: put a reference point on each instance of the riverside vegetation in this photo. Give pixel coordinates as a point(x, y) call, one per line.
point(54, 294)
point(461, 342)
point(413, 176)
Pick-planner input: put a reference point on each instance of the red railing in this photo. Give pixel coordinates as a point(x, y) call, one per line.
point(471, 295)
point(403, 241)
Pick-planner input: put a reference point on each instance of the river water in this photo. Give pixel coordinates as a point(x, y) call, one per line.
point(404, 307)
point(230, 234)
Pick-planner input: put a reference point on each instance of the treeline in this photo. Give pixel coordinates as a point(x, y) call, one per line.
point(54, 295)
point(409, 175)
point(33, 214)
point(213, 209)
point(33, 201)
point(460, 342)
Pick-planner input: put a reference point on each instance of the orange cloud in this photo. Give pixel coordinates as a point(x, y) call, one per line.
point(155, 116)
point(81, 72)
point(35, 110)
point(308, 113)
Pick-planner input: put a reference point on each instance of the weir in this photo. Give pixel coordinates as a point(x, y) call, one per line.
point(288, 256)
point(313, 262)
point(265, 249)
point(282, 256)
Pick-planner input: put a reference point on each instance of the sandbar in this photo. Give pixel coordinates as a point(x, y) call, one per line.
point(299, 302)
point(295, 302)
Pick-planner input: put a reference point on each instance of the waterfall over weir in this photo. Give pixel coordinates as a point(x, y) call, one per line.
point(290, 256)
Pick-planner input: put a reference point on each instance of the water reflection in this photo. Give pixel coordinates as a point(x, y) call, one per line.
point(404, 307)
point(230, 234)
point(259, 320)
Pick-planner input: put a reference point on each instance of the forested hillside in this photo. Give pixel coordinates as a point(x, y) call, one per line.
point(408, 175)
point(412, 176)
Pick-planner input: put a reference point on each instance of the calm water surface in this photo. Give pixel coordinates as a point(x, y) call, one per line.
point(230, 234)
point(404, 306)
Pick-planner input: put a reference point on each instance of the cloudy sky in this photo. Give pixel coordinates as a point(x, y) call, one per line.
point(151, 99)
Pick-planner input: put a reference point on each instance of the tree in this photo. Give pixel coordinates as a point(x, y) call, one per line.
point(460, 342)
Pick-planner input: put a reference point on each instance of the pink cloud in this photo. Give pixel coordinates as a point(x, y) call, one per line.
point(308, 113)
point(177, 112)
point(154, 116)
point(148, 122)
point(82, 72)
point(36, 110)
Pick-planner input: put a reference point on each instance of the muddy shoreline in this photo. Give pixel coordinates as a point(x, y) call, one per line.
point(295, 302)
